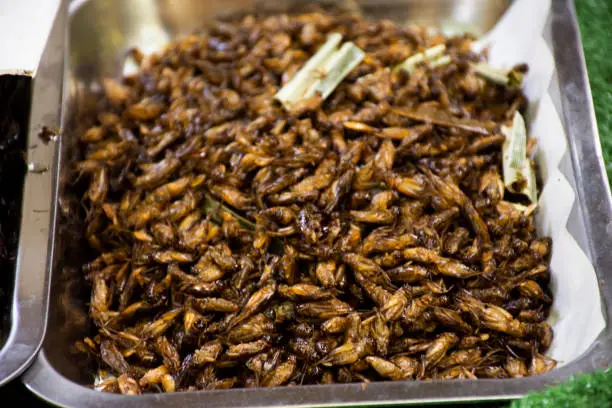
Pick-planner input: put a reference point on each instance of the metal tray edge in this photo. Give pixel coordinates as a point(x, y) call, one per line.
point(578, 114)
point(31, 292)
point(583, 138)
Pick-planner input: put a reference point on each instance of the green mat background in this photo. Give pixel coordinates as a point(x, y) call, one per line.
point(595, 390)
point(595, 20)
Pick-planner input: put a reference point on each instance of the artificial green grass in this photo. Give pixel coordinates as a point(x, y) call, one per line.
point(595, 20)
point(590, 390)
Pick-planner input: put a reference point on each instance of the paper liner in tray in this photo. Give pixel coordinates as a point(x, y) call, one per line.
point(576, 314)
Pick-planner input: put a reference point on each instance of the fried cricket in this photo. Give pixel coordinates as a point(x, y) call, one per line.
point(360, 235)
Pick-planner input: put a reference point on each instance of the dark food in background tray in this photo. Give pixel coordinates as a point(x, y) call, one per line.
point(241, 245)
point(14, 109)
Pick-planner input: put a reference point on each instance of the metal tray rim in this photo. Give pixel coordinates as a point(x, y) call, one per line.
point(29, 301)
point(595, 202)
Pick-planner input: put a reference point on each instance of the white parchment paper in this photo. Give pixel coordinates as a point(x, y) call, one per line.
point(576, 315)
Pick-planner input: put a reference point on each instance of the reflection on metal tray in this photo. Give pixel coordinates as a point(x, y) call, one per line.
point(31, 285)
point(101, 31)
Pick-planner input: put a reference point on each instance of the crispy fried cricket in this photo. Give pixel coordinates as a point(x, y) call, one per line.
point(367, 236)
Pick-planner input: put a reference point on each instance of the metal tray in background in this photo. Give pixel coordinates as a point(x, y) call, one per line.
point(101, 31)
point(29, 297)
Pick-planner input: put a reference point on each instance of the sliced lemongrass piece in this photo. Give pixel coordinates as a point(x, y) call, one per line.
point(428, 55)
point(519, 177)
point(441, 61)
point(214, 208)
point(335, 69)
point(411, 62)
point(497, 75)
point(435, 51)
point(295, 89)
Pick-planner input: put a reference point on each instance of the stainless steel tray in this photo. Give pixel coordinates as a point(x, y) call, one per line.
point(31, 284)
point(100, 31)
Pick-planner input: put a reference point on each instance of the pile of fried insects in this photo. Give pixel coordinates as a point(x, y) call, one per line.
point(312, 199)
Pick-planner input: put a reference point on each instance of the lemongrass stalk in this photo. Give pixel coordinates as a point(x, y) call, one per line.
point(429, 54)
point(335, 69)
point(495, 75)
point(295, 89)
point(441, 61)
point(519, 176)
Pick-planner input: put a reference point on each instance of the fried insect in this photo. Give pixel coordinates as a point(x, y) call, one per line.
point(387, 369)
point(364, 236)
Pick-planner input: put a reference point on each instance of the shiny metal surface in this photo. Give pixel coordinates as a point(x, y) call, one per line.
point(30, 296)
point(101, 31)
